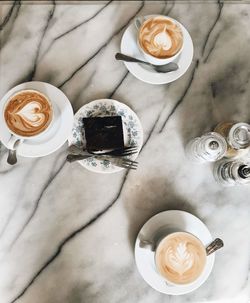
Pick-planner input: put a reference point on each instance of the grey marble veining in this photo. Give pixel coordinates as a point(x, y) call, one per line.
point(66, 234)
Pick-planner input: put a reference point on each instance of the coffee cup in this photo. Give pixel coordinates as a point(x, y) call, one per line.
point(160, 38)
point(179, 256)
point(27, 114)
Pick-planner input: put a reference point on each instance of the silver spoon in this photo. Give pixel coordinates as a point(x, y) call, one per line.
point(12, 159)
point(166, 68)
point(214, 245)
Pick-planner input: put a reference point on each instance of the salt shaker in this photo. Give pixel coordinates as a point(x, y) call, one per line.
point(237, 136)
point(208, 148)
point(230, 173)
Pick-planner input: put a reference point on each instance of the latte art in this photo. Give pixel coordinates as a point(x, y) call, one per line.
point(163, 40)
point(160, 37)
point(28, 113)
point(31, 114)
point(180, 258)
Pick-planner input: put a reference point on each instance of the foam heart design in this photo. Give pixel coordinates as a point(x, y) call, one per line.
point(28, 113)
point(32, 114)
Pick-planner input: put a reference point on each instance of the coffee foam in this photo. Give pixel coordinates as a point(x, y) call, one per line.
point(180, 258)
point(160, 37)
point(28, 113)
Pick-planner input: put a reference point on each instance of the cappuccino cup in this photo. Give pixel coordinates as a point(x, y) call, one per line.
point(179, 256)
point(159, 38)
point(27, 114)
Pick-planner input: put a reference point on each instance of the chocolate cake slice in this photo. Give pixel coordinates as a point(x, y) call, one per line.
point(103, 133)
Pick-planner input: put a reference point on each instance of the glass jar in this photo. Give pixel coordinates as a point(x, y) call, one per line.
point(230, 173)
point(237, 136)
point(208, 148)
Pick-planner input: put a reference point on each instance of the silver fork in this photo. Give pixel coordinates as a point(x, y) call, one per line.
point(126, 151)
point(123, 162)
point(120, 162)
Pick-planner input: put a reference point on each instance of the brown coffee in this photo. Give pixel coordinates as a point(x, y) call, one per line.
point(160, 37)
point(180, 258)
point(28, 113)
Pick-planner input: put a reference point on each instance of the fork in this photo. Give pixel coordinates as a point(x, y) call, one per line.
point(120, 162)
point(124, 163)
point(121, 152)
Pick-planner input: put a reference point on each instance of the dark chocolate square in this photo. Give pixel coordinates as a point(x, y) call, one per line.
point(103, 132)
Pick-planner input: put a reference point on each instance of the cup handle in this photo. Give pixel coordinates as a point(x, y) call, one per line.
point(138, 22)
point(147, 244)
point(14, 142)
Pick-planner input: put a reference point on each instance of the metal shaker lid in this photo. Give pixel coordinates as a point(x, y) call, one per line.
point(215, 146)
point(239, 135)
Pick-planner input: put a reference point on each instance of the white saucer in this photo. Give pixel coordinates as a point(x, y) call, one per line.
point(144, 258)
point(132, 131)
point(58, 132)
point(141, 71)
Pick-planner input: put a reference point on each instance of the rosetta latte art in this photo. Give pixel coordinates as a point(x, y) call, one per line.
point(28, 113)
point(180, 258)
point(160, 37)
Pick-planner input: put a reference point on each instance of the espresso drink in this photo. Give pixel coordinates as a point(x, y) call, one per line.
point(180, 258)
point(28, 113)
point(160, 37)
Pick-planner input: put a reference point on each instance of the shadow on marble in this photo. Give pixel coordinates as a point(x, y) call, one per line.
point(216, 93)
point(140, 207)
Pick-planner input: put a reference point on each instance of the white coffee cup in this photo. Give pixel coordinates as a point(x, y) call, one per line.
point(139, 21)
point(155, 244)
point(16, 140)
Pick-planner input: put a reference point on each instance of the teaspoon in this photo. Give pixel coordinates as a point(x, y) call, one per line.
point(214, 245)
point(12, 159)
point(166, 68)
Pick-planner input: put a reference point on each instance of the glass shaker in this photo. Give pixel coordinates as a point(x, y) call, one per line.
point(208, 148)
point(229, 173)
point(237, 136)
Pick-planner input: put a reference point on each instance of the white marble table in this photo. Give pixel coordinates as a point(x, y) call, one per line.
point(66, 234)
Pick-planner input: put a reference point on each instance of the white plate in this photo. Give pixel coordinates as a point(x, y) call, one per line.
point(142, 72)
point(144, 258)
point(132, 130)
point(58, 132)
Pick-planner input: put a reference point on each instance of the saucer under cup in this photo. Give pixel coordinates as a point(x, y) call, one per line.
point(57, 132)
point(147, 74)
point(144, 257)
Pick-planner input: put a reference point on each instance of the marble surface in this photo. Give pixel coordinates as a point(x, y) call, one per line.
point(66, 234)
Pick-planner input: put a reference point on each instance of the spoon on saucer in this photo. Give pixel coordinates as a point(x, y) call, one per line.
point(166, 68)
point(12, 159)
point(214, 245)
